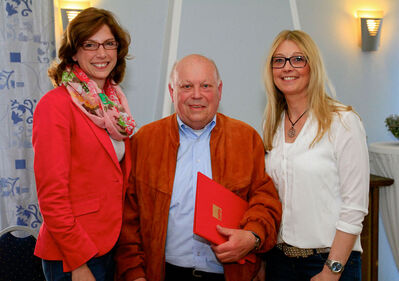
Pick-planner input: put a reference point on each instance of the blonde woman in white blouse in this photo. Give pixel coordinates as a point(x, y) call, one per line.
point(318, 159)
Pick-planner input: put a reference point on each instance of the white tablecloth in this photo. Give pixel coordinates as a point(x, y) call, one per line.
point(384, 161)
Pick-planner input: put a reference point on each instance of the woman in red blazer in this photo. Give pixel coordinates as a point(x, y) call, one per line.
point(80, 138)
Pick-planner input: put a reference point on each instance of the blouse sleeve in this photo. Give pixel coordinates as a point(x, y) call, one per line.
point(349, 139)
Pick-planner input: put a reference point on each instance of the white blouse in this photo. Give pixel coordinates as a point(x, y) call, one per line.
point(119, 147)
point(322, 188)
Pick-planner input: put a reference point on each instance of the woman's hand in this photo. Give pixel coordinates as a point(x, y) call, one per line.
point(340, 250)
point(82, 273)
point(326, 275)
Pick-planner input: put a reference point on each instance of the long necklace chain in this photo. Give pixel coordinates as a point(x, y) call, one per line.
point(291, 131)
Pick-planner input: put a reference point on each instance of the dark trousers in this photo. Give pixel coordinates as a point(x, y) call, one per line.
point(279, 267)
point(173, 273)
point(101, 267)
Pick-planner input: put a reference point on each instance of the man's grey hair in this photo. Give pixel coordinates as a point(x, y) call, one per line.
point(173, 71)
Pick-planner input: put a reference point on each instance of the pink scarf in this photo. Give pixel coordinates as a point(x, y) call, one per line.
point(107, 108)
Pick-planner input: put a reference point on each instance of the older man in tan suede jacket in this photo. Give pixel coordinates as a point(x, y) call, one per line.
point(157, 241)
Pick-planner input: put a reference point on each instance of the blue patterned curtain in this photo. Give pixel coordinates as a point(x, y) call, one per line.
point(27, 47)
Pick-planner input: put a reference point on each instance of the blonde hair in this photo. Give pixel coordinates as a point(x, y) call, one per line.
point(320, 103)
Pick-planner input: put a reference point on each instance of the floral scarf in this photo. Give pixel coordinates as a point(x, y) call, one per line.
point(108, 109)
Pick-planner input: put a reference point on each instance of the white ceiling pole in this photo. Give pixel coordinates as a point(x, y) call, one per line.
point(295, 15)
point(172, 53)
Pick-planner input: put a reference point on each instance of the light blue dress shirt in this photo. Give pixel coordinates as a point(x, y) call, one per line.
point(183, 248)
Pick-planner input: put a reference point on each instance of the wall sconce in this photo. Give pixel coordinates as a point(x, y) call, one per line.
point(370, 24)
point(70, 9)
point(68, 15)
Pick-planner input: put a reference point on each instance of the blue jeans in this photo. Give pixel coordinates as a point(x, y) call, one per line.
point(101, 267)
point(279, 267)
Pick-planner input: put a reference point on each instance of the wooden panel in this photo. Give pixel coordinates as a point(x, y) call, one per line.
point(369, 236)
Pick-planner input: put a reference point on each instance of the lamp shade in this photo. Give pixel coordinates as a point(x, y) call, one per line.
point(370, 25)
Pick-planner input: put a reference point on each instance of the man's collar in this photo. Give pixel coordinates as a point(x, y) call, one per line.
point(184, 126)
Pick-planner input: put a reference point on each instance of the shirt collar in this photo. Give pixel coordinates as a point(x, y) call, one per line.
point(187, 130)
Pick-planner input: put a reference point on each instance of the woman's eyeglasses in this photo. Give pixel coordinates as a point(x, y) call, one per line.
point(295, 61)
point(93, 46)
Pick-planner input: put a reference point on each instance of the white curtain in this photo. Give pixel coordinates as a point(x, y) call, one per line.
point(26, 50)
point(386, 164)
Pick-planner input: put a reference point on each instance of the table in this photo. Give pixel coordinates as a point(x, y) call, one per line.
point(384, 162)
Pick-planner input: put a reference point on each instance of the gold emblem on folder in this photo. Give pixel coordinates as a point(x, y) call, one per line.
point(217, 212)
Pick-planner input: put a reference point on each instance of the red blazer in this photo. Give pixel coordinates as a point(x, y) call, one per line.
point(80, 183)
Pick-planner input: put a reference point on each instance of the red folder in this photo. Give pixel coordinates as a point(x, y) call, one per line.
point(216, 205)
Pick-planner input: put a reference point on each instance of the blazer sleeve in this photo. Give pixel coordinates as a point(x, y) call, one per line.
point(51, 140)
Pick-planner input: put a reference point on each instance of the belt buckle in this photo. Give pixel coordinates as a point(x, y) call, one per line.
point(196, 273)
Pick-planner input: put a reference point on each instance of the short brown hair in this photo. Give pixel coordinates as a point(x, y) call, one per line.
point(84, 25)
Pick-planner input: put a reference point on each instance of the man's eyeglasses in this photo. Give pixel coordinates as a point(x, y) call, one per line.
point(93, 46)
point(295, 61)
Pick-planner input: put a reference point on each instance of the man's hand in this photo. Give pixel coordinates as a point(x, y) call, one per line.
point(82, 273)
point(140, 279)
point(239, 243)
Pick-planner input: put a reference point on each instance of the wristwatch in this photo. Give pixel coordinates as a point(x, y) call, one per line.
point(335, 266)
point(257, 242)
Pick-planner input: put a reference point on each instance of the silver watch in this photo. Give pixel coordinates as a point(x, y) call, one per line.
point(257, 242)
point(335, 266)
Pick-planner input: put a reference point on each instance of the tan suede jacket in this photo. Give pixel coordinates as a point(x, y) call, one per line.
point(237, 157)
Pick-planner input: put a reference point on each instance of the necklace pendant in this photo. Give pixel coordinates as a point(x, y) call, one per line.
point(291, 132)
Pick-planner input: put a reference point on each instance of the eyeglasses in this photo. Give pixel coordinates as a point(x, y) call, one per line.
point(295, 61)
point(92, 45)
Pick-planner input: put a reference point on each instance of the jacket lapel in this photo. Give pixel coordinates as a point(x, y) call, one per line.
point(103, 138)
